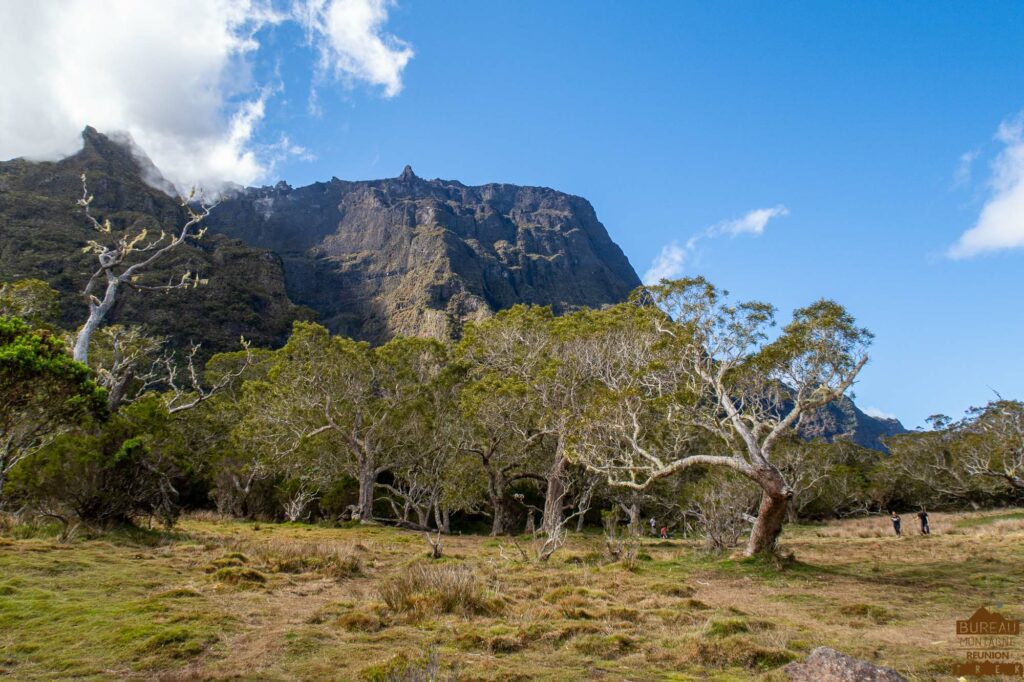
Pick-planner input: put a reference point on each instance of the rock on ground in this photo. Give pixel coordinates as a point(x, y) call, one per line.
point(828, 665)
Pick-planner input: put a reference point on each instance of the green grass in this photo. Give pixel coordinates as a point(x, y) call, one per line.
point(239, 600)
point(97, 609)
point(990, 518)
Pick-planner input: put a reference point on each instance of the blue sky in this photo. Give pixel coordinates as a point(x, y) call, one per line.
point(870, 128)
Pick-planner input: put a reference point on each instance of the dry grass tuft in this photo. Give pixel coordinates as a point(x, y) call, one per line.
point(405, 668)
point(290, 555)
point(876, 614)
point(435, 589)
point(361, 621)
point(239, 575)
point(674, 589)
point(605, 646)
point(733, 651)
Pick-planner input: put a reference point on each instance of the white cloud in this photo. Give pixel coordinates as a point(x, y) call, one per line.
point(175, 75)
point(877, 413)
point(753, 222)
point(964, 168)
point(672, 258)
point(668, 264)
point(351, 41)
point(1000, 224)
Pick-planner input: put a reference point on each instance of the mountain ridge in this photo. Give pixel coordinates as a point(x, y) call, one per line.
point(450, 252)
point(370, 259)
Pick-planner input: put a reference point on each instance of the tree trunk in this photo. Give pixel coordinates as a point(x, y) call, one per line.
point(636, 526)
point(503, 515)
point(555, 494)
point(423, 516)
point(367, 483)
point(497, 490)
point(436, 508)
point(96, 314)
point(117, 392)
point(583, 505)
point(446, 520)
point(775, 499)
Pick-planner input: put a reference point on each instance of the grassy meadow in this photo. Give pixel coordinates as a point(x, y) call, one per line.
point(224, 599)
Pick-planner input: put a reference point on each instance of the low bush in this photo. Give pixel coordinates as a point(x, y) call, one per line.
point(238, 575)
point(426, 588)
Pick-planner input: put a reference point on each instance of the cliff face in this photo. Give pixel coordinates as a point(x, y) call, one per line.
point(42, 232)
point(370, 259)
point(843, 419)
point(413, 256)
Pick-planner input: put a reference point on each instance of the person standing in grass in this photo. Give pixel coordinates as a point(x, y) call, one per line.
point(923, 516)
point(895, 518)
point(654, 527)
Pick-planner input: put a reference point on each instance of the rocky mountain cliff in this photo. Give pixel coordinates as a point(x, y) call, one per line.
point(420, 257)
point(843, 419)
point(42, 232)
point(368, 259)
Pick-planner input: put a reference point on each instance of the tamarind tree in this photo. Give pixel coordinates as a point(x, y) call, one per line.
point(695, 381)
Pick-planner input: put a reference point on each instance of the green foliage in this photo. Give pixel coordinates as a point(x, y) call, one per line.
point(978, 460)
point(41, 234)
point(35, 367)
point(111, 473)
point(33, 300)
point(44, 392)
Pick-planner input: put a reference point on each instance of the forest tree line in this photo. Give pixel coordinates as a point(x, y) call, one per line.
point(530, 421)
point(680, 404)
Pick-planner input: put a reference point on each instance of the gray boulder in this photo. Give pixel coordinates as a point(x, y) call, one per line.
point(828, 665)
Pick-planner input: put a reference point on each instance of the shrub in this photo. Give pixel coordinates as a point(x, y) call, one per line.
point(358, 621)
point(733, 650)
point(425, 588)
point(403, 668)
point(237, 575)
point(605, 646)
point(875, 614)
point(129, 466)
point(282, 555)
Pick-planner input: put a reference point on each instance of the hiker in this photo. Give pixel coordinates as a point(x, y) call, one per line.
point(895, 518)
point(923, 516)
point(654, 526)
point(664, 532)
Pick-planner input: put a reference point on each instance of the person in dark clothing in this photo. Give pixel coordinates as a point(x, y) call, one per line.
point(895, 518)
point(923, 516)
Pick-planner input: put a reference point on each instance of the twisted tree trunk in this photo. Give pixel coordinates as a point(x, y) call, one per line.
point(771, 514)
point(555, 495)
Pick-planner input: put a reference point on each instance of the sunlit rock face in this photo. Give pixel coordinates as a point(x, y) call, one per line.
point(368, 259)
point(42, 233)
point(412, 256)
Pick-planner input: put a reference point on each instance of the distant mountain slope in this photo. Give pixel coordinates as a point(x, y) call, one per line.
point(372, 259)
point(42, 232)
point(420, 257)
point(843, 419)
